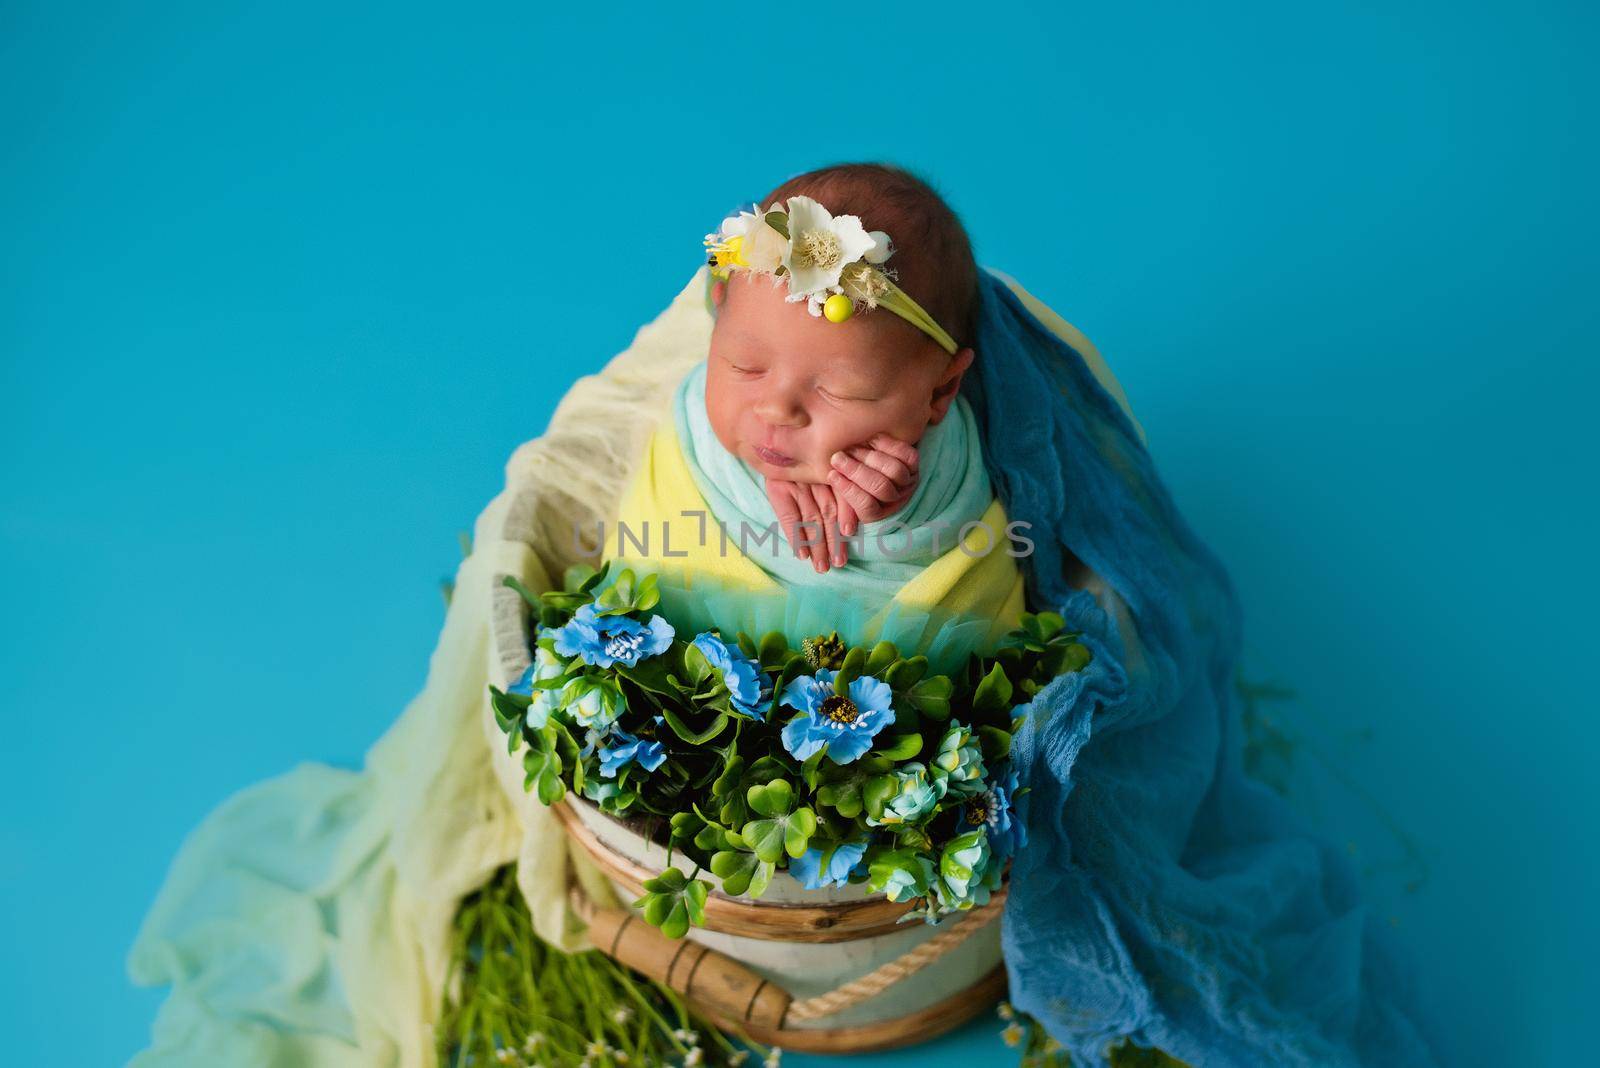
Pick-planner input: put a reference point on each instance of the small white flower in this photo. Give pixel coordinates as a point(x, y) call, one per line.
point(773, 1058)
point(534, 1041)
point(621, 1015)
point(687, 1036)
point(694, 1058)
point(820, 248)
point(737, 1057)
point(1006, 1011)
point(1012, 1034)
point(761, 248)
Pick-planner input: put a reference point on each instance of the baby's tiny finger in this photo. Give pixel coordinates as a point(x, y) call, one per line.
point(903, 451)
point(875, 482)
point(848, 520)
point(781, 494)
point(860, 501)
point(811, 522)
point(829, 507)
point(895, 471)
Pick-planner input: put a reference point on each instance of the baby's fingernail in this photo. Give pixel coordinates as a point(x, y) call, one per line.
point(838, 558)
point(837, 459)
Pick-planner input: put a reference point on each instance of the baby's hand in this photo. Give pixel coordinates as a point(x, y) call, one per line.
point(868, 482)
point(873, 481)
point(813, 504)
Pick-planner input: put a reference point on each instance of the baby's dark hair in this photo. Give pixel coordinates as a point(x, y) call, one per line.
point(932, 261)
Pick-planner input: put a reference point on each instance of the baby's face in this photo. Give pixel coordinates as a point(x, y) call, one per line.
point(785, 390)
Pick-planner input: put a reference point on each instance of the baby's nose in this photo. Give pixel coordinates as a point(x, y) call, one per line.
point(777, 411)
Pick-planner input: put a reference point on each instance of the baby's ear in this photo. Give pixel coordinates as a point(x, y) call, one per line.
point(949, 384)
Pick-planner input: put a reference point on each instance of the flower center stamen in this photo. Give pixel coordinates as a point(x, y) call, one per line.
point(978, 810)
point(840, 710)
point(819, 249)
point(623, 646)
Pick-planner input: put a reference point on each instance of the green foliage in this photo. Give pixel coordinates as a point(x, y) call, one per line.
point(720, 784)
point(780, 827)
point(507, 990)
point(672, 901)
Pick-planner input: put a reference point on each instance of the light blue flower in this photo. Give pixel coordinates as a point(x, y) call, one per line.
point(846, 724)
point(993, 812)
point(959, 761)
point(815, 871)
point(967, 873)
point(613, 797)
point(901, 875)
point(615, 639)
point(546, 665)
point(625, 749)
point(594, 704)
point(916, 795)
point(748, 687)
point(539, 709)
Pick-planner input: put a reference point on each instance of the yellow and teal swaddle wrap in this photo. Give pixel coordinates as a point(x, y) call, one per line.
point(939, 577)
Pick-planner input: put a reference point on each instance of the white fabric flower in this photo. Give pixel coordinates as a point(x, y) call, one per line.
point(761, 248)
point(820, 248)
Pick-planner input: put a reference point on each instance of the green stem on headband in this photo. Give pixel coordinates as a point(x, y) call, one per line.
point(899, 301)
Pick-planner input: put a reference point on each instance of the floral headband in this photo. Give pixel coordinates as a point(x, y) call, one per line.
point(830, 261)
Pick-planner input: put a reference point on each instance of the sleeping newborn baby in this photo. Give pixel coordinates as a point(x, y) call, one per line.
point(827, 413)
point(828, 408)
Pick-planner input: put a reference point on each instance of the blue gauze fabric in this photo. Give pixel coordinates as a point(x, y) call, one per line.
point(1163, 896)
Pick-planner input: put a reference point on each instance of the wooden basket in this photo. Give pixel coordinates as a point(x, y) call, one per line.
point(767, 966)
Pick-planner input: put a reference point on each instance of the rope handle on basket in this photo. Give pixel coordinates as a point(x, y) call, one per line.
point(732, 990)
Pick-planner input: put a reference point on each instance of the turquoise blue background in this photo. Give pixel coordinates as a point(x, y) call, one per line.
point(281, 288)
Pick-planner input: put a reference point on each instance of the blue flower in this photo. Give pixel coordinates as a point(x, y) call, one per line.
point(625, 749)
point(846, 723)
point(606, 640)
point(748, 687)
point(814, 870)
point(992, 811)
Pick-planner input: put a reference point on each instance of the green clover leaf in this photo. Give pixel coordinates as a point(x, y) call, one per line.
point(785, 828)
point(672, 901)
point(741, 872)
